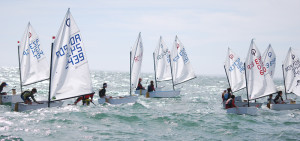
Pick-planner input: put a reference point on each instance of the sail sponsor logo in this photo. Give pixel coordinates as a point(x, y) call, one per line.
point(30, 34)
point(68, 22)
point(259, 64)
point(34, 47)
point(294, 67)
point(75, 55)
point(237, 64)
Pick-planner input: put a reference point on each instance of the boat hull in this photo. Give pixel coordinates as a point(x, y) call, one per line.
point(140, 92)
point(20, 107)
point(245, 104)
point(9, 99)
point(164, 94)
point(118, 100)
point(284, 106)
point(243, 111)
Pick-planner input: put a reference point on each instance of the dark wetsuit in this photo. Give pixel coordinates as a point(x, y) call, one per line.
point(102, 93)
point(139, 86)
point(25, 96)
point(276, 100)
point(151, 88)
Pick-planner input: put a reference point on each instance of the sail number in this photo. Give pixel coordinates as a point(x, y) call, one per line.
point(260, 65)
point(237, 64)
point(75, 54)
point(35, 49)
point(294, 67)
point(184, 56)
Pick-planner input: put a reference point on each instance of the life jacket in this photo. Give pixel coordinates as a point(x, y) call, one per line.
point(226, 96)
point(229, 103)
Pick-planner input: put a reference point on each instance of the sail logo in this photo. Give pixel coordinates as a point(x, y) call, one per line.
point(35, 49)
point(253, 52)
point(30, 34)
point(74, 53)
point(68, 22)
point(138, 58)
point(298, 83)
point(270, 54)
point(237, 64)
point(231, 56)
point(293, 57)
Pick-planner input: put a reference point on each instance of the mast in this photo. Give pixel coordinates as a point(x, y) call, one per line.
point(20, 68)
point(130, 73)
point(49, 99)
point(154, 69)
point(246, 84)
point(284, 82)
point(171, 72)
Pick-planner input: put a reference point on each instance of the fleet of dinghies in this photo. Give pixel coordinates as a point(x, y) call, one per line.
point(69, 74)
point(256, 75)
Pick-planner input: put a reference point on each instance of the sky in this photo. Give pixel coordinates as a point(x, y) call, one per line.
point(110, 28)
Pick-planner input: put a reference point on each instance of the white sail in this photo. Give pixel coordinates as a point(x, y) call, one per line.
point(235, 71)
point(136, 61)
point(258, 84)
point(269, 57)
point(291, 68)
point(70, 75)
point(181, 65)
point(162, 62)
point(33, 63)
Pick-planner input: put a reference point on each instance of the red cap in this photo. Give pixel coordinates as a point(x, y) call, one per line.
point(53, 37)
point(18, 41)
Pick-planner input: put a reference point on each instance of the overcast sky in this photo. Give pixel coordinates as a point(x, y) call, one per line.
point(109, 29)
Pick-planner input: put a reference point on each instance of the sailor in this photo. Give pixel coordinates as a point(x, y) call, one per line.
point(278, 99)
point(223, 94)
point(228, 94)
point(103, 91)
point(3, 84)
point(151, 87)
point(270, 101)
point(140, 86)
point(26, 94)
point(87, 99)
point(230, 102)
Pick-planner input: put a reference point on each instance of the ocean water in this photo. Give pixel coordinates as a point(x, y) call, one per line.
point(196, 115)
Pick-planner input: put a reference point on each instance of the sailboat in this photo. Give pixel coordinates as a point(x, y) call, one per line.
point(69, 70)
point(162, 71)
point(235, 72)
point(291, 78)
point(258, 84)
point(33, 65)
point(136, 59)
point(181, 66)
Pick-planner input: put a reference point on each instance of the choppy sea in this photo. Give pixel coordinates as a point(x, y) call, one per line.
point(196, 115)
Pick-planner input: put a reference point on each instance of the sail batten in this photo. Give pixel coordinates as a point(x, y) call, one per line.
point(235, 71)
point(181, 65)
point(259, 84)
point(34, 66)
point(70, 74)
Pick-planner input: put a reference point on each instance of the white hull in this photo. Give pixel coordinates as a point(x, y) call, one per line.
point(8, 99)
point(245, 104)
point(19, 107)
point(118, 100)
point(140, 92)
point(284, 106)
point(243, 111)
point(164, 94)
